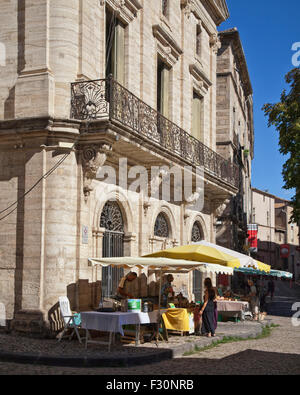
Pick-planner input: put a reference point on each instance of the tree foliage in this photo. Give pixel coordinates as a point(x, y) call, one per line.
point(285, 116)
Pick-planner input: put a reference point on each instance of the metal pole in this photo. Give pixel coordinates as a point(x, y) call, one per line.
point(159, 305)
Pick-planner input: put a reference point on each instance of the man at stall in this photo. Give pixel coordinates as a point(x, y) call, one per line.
point(122, 292)
point(228, 293)
point(167, 291)
point(271, 288)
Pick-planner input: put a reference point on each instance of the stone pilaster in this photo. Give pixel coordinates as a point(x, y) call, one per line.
point(34, 91)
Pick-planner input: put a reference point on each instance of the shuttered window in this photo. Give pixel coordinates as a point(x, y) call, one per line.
point(115, 48)
point(163, 84)
point(197, 115)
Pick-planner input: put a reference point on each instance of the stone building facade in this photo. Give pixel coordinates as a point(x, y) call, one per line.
point(272, 215)
point(235, 136)
point(89, 86)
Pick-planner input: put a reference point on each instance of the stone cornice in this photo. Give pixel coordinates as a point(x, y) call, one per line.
point(217, 9)
point(27, 125)
point(125, 9)
point(171, 50)
point(34, 132)
point(232, 37)
point(200, 75)
point(193, 6)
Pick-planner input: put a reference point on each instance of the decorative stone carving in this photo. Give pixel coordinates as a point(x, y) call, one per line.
point(186, 216)
point(187, 5)
point(153, 187)
point(126, 9)
point(219, 206)
point(93, 158)
point(201, 81)
point(215, 43)
point(155, 182)
point(167, 47)
point(146, 206)
point(192, 199)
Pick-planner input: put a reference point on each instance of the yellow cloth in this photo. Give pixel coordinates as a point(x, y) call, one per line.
point(199, 253)
point(177, 320)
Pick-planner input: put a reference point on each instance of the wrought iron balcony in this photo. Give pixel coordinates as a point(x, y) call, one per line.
point(92, 100)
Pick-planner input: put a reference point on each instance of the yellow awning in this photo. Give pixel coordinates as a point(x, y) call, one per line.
point(163, 264)
point(263, 267)
point(199, 253)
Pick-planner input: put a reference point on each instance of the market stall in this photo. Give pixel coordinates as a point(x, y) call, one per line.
point(199, 253)
point(245, 261)
point(270, 273)
point(259, 276)
point(163, 266)
point(232, 308)
point(113, 323)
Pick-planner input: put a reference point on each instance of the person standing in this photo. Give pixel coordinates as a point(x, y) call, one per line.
point(122, 292)
point(167, 291)
point(262, 296)
point(271, 288)
point(208, 310)
point(253, 298)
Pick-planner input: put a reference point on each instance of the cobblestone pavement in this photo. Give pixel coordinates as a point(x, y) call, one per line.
point(51, 347)
point(284, 298)
point(276, 354)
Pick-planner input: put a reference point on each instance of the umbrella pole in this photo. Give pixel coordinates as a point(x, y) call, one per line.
point(159, 306)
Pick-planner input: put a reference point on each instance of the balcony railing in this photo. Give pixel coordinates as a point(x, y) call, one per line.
point(92, 100)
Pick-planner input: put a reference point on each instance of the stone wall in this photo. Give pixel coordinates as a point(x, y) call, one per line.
point(50, 44)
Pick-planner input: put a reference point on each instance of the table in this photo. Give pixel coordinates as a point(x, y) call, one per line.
point(231, 306)
point(113, 322)
point(177, 319)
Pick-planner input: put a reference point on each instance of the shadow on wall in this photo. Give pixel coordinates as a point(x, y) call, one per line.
point(86, 296)
point(9, 105)
point(83, 296)
point(2, 315)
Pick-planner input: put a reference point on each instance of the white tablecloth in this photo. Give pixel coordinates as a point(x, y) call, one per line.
point(112, 322)
point(230, 305)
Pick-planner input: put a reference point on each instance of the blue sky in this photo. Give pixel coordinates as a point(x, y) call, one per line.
point(268, 29)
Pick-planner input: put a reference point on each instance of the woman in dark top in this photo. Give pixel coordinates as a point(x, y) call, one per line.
point(208, 310)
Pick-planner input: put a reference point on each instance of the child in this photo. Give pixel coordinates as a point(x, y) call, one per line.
point(197, 319)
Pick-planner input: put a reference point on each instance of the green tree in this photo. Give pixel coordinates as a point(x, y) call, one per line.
point(285, 116)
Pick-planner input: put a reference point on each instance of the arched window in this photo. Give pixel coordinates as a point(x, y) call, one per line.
point(111, 218)
point(197, 234)
point(113, 246)
point(161, 228)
